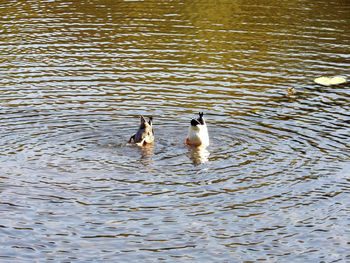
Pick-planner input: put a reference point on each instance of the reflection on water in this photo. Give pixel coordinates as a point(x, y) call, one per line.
point(198, 155)
point(272, 186)
point(147, 153)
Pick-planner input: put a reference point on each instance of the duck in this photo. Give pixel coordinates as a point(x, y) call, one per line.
point(198, 132)
point(145, 133)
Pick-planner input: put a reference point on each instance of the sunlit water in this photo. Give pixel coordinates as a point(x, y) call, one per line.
point(272, 186)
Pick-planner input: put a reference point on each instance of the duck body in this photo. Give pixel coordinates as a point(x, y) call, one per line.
point(145, 133)
point(198, 132)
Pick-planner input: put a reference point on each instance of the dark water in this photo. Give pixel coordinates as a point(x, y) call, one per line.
point(274, 184)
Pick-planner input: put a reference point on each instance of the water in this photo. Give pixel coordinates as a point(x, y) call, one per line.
point(273, 185)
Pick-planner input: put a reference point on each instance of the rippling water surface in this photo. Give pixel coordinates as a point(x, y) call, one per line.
point(273, 185)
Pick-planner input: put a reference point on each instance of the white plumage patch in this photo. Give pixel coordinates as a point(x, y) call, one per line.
point(198, 135)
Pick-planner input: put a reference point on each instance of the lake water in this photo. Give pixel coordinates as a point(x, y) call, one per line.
point(274, 184)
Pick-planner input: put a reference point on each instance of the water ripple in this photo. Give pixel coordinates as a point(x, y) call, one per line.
point(272, 185)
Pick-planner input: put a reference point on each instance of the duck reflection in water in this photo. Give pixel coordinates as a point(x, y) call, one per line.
point(198, 155)
point(147, 153)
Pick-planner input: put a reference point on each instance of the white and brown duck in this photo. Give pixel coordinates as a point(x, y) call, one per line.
point(198, 132)
point(145, 133)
